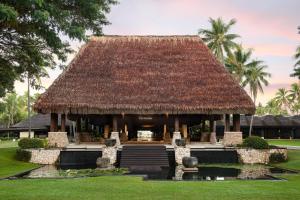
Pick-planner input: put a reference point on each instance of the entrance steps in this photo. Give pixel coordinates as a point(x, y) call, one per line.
point(144, 156)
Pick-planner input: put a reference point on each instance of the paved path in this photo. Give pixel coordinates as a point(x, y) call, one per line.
point(290, 147)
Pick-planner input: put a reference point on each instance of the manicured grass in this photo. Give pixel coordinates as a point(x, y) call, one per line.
point(124, 187)
point(285, 142)
point(117, 187)
point(293, 161)
point(9, 166)
point(8, 144)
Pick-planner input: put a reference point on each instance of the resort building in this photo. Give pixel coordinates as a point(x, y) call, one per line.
point(146, 90)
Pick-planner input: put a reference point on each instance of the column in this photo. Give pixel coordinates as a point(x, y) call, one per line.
point(212, 129)
point(54, 122)
point(227, 123)
point(176, 124)
point(115, 124)
point(236, 123)
point(63, 123)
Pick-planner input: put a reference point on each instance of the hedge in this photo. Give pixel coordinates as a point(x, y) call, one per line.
point(31, 143)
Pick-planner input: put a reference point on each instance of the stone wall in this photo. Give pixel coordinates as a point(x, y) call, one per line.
point(181, 152)
point(258, 156)
point(232, 138)
point(44, 156)
point(58, 139)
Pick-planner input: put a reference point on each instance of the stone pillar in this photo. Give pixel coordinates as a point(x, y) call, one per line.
point(236, 123)
point(54, 122)
point(176, 135)
point(58, 139)
point(115, 135)
point(63, 123)
point(227, 123)
point(213, 138)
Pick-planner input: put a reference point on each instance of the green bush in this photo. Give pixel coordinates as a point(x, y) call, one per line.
point(31, 143)
point(277, 158)
point(22, 155)
point(255, 143)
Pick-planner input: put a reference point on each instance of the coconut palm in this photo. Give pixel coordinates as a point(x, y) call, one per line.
point(294, 93)
point(256, 77)
point(218, 38)
point(282, 98)
point(238, 62)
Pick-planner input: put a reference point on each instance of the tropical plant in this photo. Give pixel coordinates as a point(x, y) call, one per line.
point(256, 77)
point(13, 109)
point(218, 38)
point(239, 61)
point(282, 98)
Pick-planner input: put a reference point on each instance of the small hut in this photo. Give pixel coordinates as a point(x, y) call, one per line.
point(146, 89)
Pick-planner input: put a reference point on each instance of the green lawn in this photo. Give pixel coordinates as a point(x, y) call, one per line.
point(293, 161)
point(9, 166)
point(8, 144)
point(285, 142)
point(122, 187)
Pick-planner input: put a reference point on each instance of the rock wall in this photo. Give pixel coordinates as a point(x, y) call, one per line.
point(111, 153)
point(44, 156)
point(181, 152)
point(258, 156)
point(232, 138)
point(58, 139)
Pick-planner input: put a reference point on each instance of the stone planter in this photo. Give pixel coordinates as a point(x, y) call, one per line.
point(110, 142)
point(189, 162)
point(180, 142)
point(258, 156)
point(176, 135)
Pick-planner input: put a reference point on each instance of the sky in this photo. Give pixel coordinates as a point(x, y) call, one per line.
point(269, 27)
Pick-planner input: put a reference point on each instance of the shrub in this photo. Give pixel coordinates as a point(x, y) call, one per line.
point(23, 155)
point(277, 158)
point(28, 143)
point(255, 143)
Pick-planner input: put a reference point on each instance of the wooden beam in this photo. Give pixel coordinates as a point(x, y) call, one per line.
point(63, 123)
point(227, 123)
point(115, 124)
point(54, 122)
point(236, 123)
point(176, 124)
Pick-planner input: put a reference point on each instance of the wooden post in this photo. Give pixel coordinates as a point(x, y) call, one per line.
point(212, 127)
point(176, 124)
point(54, 122)
point(78, 124)
point(227, 123)
point(236, 123)
point(63, 123)
point(115, 124)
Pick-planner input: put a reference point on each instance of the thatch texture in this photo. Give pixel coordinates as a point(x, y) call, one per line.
point(145, 75)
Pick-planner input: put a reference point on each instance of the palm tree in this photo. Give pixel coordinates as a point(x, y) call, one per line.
point(282, 98)
point(238, 62)
point(294, 92)
point(218, 38)
point(256, 77)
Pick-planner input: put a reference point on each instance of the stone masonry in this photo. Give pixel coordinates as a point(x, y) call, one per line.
point(44, 156)
point(232, 138)
point(258, 156)
point(181, 152)
point(58, 139)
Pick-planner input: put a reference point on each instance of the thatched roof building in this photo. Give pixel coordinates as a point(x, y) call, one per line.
point(145, 75)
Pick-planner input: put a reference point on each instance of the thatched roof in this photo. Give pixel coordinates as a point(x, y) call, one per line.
point(145, 75)
point(268, 121)
point(41, 121)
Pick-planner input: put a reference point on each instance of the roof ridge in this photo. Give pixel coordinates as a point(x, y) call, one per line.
point(147, 37)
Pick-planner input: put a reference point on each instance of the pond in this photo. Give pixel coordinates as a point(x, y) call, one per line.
point(176, 173)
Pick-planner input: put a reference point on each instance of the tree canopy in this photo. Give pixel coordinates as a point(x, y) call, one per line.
point(32, 32)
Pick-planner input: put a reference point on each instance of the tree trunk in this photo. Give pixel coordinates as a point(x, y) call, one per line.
point(251, 122)
point(28, 106)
